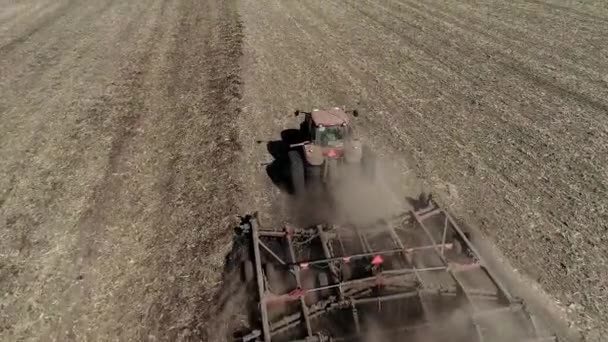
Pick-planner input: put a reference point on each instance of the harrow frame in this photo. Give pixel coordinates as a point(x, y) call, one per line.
point(430, 259)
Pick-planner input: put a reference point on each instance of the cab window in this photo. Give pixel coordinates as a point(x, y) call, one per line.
point(331, 136)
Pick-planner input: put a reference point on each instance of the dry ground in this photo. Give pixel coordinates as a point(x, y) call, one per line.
point(128, 142)
point(118, 138)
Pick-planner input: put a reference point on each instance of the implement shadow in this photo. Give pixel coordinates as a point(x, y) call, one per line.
point(237, 299)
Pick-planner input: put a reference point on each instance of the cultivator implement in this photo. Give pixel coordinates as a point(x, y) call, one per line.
point(415, 275)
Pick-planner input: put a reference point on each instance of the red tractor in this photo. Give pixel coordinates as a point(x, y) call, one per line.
point(329, 148)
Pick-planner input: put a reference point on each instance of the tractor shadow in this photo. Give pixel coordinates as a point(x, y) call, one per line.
point(278, 169)
point(311, 207)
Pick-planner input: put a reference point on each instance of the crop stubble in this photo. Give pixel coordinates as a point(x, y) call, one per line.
point(127, 149)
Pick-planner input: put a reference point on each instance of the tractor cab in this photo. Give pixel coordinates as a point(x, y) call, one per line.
point(327, 145)
point(330, 136)
point(329, 128)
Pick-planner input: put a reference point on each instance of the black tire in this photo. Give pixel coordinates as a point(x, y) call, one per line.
point(346, 272)
point(248, 274)
point(368, 163)
point(275, 281)
point(276, 284)
point(308, 282)
point(323, 281)
point(296, 168)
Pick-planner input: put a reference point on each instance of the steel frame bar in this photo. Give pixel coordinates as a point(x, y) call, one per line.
point(260, 280)
point(369, 254)
point(422, 217)
point(272, 233)
point(339, 238)
point(386, 298)
point(293, 320)
point(443, 236)
point(299, 284)
point(441, 256)
point(272, 253)
point(276, 327)
point(409, 256)
point(328, 255)
point(296, 320)
point(503, 290)
point(364, 245)
point(368, 246)
point(449, 271)
point(349, 300)
point(392, 274)
point(414, 270)
point(333, 271)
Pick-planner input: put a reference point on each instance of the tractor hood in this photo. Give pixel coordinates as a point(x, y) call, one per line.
point(330, 117)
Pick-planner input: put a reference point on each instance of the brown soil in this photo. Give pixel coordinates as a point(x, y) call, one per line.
point(118, 144)
point(127, 150)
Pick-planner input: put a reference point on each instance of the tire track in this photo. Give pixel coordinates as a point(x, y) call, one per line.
point(127, 103)
point(50, 19)
point(199, 187)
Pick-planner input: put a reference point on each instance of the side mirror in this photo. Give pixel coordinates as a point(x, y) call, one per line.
point(355, 113)
point(297, 112)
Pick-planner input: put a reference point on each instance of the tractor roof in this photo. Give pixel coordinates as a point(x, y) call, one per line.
point(330, 117)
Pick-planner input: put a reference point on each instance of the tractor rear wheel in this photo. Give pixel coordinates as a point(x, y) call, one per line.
point(275, 280)
point(296, 166)
point(323, 282)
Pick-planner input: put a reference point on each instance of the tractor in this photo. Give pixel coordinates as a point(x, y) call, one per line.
point(327, 149)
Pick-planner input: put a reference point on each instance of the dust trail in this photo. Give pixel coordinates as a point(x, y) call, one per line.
point(355, 198)
point(455, 326)
point(360, 199)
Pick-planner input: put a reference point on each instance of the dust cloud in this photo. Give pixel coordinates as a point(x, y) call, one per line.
point(354, 198)
point(452, 325)
point(360, 199)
